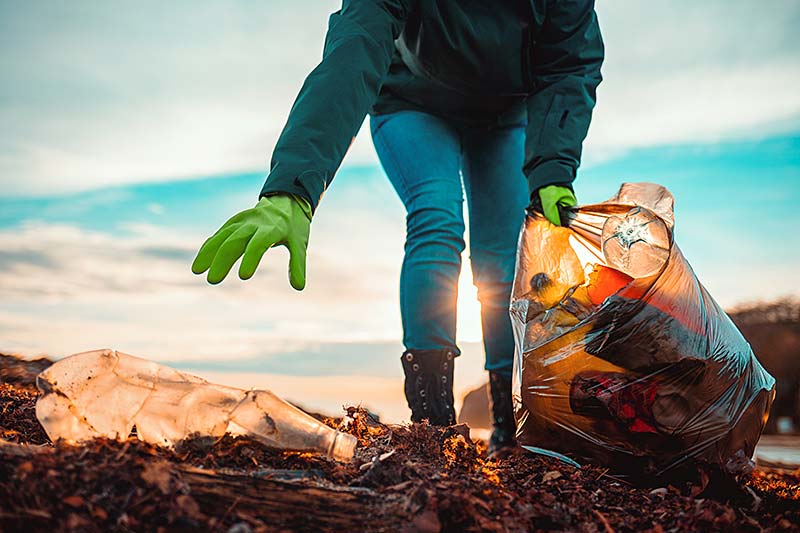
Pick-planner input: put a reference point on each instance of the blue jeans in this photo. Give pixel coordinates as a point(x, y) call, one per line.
point(425, 158)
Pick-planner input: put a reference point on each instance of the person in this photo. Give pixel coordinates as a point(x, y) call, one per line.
point(496, 96)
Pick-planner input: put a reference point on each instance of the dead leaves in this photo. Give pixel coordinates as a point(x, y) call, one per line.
point(74, 501)
point(159, 474)
point(551, 475)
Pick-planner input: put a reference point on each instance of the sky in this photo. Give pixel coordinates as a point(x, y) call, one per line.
point(129, 133)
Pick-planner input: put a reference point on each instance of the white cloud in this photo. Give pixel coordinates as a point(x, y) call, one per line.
point(682, 72)
point(703, 105)
point(66, 289)
point(148, 271)
point(107, 93)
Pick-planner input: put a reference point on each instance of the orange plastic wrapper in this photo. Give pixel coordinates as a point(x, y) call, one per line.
point(622, 356)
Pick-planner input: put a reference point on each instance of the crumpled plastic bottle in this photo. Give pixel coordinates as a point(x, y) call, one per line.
point(106, 393)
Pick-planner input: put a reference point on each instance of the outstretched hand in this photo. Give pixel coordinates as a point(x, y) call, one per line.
point(279, 220)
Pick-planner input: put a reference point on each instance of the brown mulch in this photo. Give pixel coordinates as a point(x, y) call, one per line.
point(412, 478)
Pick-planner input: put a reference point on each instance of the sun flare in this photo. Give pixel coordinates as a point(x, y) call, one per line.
point(469, 309)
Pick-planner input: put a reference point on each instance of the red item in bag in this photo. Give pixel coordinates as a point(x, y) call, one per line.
point(626, 400)
point(605, 281)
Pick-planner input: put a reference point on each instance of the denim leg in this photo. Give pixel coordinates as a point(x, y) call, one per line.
point(421, 155)
point(497, 195)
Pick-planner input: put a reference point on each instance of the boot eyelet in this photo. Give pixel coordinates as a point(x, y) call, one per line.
point(415, 367)
point(449, 355)
point(422, 393)
point(444, 394)
point(444, 366)
point(444, 379)
point(409, 357)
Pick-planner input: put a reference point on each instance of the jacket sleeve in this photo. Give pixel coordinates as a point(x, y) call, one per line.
point(567, 56)
point(335, 97)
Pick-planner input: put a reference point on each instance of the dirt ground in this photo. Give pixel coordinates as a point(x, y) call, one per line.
point(410, 478)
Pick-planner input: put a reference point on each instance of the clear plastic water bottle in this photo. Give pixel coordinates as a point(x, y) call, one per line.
point(106, 393)
point(637, 244)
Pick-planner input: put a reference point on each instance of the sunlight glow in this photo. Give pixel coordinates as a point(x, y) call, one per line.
point(468, 325)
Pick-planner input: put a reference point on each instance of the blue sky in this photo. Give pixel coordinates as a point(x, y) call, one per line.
point(127, 138)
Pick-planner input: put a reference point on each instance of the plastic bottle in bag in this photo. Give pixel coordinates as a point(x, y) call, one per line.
point(106, 393)
point(636, 244)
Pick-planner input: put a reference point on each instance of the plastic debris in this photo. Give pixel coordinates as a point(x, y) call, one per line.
point(106, 393)
point(622, 356)
point(554, 455)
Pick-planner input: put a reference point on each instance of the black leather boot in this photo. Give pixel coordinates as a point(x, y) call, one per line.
point(429, 385)
point(502, 411)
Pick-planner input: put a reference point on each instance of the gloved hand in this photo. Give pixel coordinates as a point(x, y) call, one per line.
point(282, 219)
point(554, 196)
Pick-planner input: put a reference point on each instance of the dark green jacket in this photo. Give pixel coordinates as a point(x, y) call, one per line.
point(480, 61)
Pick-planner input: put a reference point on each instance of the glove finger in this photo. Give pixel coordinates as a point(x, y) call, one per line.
point(297, 263)
point(205, 255)
point(551, 213)
point(259, 244)
point(568, 200)
point(229, 252)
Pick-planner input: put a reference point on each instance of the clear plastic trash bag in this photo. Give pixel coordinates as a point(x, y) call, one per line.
point(622, 356)
point(105, 393)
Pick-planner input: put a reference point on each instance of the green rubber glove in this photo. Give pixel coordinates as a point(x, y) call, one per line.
point(554, 196)
point(279, 220)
